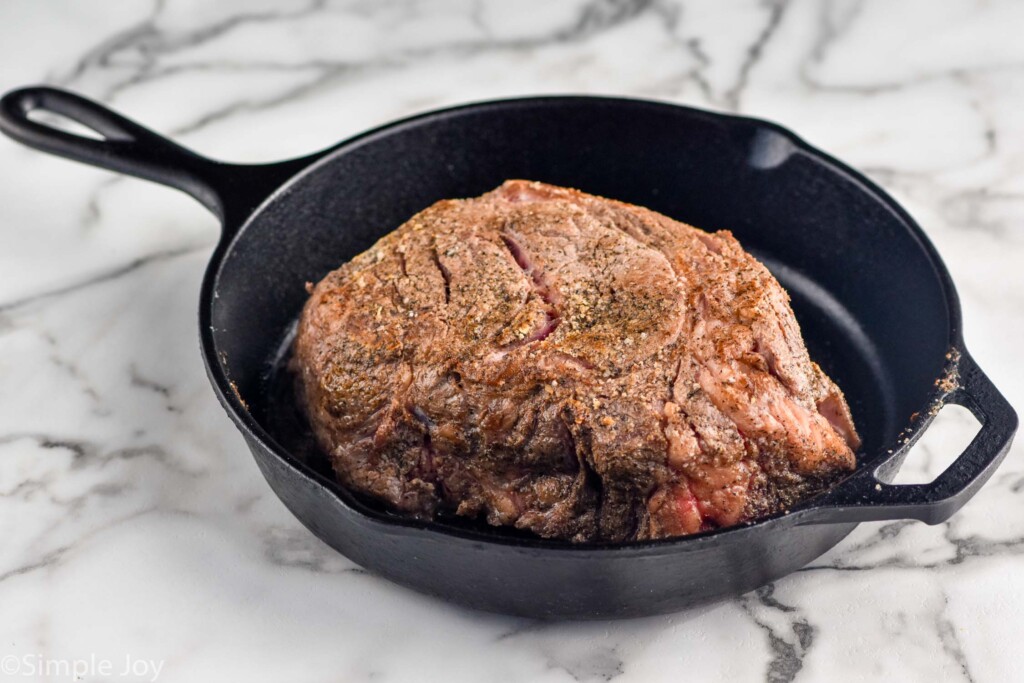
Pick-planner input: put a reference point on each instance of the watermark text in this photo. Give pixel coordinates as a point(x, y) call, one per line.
point(35, 665)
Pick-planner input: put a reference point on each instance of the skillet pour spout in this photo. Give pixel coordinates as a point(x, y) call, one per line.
point(876, 305)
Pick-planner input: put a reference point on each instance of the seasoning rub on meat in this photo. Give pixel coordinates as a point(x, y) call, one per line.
point(570, 365)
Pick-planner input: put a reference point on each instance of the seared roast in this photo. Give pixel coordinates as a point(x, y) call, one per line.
point(570, 365)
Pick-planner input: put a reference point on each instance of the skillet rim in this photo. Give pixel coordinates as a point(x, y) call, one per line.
point(252, 429)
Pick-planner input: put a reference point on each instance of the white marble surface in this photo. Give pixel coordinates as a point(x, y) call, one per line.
point(135, 524)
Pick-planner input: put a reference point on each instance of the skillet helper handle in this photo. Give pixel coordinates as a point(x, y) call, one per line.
point(865, 498)
point(230, 191)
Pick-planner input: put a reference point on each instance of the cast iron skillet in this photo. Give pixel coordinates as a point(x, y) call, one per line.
point(876, 305)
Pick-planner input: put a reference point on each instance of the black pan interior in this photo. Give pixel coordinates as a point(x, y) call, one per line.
point(870, 300)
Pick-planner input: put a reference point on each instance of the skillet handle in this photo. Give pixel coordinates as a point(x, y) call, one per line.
point(865, 498)
point(231, 191)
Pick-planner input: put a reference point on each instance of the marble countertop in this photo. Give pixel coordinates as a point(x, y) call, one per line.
point(137, 530)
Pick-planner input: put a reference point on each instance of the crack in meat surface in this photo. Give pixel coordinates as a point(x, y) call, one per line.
point(570, 365)
point(541, 287)
point(445, 275)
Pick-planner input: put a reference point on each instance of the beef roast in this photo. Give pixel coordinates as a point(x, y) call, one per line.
point(570, 365)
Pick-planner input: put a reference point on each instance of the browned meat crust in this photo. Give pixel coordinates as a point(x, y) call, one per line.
point(571, 365)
